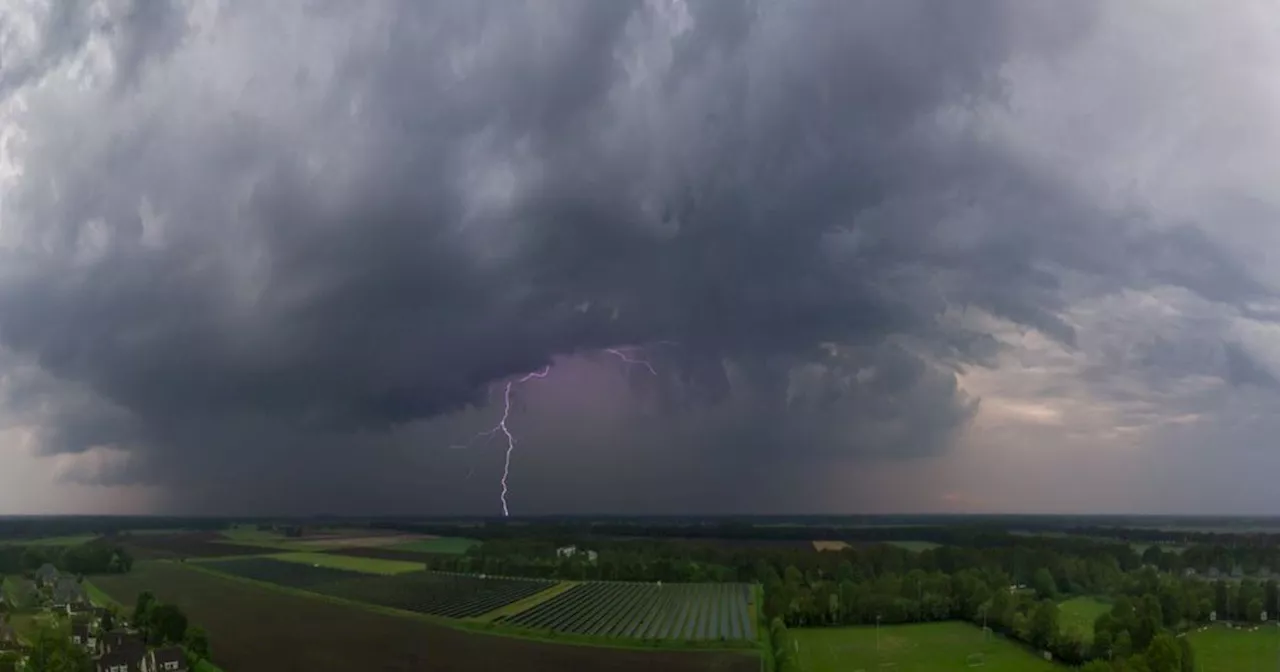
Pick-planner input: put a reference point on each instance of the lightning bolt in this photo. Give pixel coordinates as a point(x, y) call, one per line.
point(629, 360)
point(502, 427)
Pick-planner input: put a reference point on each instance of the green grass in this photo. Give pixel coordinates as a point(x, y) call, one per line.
point(365, 565)
point(457, 545)
point(911, 648)
point(1222, 649)
point(527, 603)
point(98, 597)
point(915, 546)
point(1080, 613)
point(238, 533)
point(73, 540)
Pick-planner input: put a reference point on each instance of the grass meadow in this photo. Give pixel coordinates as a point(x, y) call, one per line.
point(1080, 613)
point(1220, 648)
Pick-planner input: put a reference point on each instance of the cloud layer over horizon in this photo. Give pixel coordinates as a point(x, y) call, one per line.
point(285, 256)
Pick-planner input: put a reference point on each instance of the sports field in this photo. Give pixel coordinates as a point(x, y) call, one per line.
point(1220, 648)
point(1079, 613)
point(929, 647)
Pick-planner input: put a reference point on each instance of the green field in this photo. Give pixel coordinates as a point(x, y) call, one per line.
point(1080, 613)
point(915, 546)
point(930, 647)
point(97, 596)
point(439, 545)
point(365, 565)
point(51, 541)
point(1223, 649)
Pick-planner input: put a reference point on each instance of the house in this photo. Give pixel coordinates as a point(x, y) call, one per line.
point(46, 575)
point(119, 640)
point(82, 634)
point(69, 596)
point(123, 660)
point(571, 551)
point(168, 659)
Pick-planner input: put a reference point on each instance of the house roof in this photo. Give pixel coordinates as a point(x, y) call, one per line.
point(130, 657)
point(80, 629)
point(170, 654)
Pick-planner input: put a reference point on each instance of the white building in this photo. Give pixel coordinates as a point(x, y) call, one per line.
point(570, 551)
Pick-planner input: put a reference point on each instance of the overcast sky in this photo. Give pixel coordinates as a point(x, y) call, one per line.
point(779, 256)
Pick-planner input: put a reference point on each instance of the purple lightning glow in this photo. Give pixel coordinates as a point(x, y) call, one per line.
point(506, 414)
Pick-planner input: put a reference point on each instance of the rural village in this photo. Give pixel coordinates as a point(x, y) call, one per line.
point(56, 621)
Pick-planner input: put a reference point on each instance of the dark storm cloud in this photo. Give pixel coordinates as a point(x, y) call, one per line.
point(291, 229)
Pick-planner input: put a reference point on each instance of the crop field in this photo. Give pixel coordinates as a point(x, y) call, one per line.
point(363, 565)
point(187, 545)
point(437, 593)
point(1079, 613)
point(382, 553)
point(434, 593)
point(1220, 648)
point(912, 648)
point(449, 545)
point(681, 611)
point(280, 572)
point(74, 540)
point(254, 628)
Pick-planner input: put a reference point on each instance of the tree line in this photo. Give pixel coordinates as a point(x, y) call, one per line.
point(95, 557)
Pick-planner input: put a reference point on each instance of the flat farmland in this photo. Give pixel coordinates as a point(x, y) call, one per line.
point(187, 545)
point(434, 593)
point(912, 648)
point(678, 611)
point(256, 628)
point(279, 572)
point(437, 593)
point(364, 565)
point(383, 553)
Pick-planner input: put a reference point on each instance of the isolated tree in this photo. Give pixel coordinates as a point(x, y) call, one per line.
point(197, 645)
point(1123, 645)
point(168, 624)
point(142, 609)
point(1044, 624)
point(1042, 582)
point(1188, 655)
point(1164, 655)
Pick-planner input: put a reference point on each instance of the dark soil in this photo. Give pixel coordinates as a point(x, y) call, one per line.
point(185, 545)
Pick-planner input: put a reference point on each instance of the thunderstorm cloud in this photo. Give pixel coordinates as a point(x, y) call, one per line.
point(285, 256)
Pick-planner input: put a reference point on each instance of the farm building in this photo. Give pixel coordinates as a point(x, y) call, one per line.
point(571, 551)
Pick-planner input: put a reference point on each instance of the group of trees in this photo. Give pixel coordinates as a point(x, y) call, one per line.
point(161, 624)
point(95, 557)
